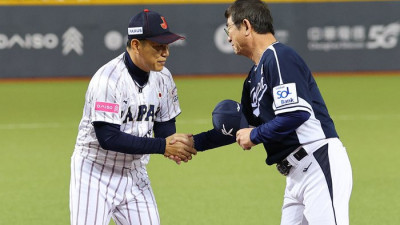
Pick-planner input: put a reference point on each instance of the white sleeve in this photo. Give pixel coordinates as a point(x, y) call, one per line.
point(169, 106)
point(104, 97)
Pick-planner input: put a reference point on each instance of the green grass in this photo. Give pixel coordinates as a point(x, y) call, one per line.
point(38, 127)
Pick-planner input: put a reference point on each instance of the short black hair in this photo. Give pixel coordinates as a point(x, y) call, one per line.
point(256, 11)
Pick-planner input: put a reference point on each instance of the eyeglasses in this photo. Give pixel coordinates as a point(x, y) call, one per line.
point(226, 29)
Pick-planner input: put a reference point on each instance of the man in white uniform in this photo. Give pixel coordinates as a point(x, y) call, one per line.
point(130, 109)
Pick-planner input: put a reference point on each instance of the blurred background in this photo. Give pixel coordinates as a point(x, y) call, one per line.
point(62, 38)
point(49, 49)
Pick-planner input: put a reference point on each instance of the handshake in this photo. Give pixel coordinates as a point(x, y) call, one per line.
point(180, 147)
point(227, 119)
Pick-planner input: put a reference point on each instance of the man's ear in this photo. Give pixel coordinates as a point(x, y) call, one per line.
point(135, 45)
point(247, 26)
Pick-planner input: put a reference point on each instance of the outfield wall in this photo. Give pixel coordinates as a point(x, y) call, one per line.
point(66, 39)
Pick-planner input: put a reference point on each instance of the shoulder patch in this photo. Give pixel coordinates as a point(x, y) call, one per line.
point(174, 95)
point(285, 94)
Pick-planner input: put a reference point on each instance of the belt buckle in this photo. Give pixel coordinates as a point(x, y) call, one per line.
point(284, 167)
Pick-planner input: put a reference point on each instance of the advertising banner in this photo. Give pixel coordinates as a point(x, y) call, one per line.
point(48, 41)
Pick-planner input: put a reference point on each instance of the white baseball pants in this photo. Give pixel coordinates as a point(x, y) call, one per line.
point(318, 187)
point(101, 192)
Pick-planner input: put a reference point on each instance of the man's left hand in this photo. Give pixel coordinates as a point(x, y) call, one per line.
point(243, 138)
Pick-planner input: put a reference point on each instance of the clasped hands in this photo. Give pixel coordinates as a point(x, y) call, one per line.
point(180, 147)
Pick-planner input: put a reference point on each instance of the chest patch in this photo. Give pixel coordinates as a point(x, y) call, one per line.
point(107, 107)
point(285, 94)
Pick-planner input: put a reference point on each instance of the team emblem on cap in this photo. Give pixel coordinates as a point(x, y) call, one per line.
point(224, 132)
point(164, 25)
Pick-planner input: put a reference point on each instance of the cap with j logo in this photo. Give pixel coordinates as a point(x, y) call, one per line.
point(151, 26)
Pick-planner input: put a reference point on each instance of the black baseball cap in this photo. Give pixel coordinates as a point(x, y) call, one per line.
point(228, 118)
point(151, 26)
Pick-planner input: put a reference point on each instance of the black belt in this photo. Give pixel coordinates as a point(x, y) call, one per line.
point(284, 166)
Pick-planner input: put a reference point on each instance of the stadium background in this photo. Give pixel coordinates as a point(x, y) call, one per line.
point(352, 47)
point(60, 39)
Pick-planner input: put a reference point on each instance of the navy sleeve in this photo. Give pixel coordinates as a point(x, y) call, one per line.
point(276, 129)
point(112, 138)
point(164, 129)
point(211, 139)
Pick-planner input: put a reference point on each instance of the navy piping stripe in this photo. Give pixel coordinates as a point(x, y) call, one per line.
point(322, 157)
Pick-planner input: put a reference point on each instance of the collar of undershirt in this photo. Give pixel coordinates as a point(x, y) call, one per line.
point(139, 76)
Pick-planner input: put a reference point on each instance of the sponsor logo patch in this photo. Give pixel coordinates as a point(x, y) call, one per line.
point(107, 107)
point(135, 30)
point(285, 94)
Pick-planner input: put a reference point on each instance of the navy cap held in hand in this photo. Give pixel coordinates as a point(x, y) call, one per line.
point(228, 118)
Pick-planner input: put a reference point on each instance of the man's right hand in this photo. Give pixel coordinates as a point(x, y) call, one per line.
point(180, 147)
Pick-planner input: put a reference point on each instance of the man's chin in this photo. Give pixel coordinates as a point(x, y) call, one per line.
point(158, 69)
point(237, 52)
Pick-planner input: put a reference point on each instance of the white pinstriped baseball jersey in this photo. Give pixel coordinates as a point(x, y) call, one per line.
point(106, 183)
point(113, 97)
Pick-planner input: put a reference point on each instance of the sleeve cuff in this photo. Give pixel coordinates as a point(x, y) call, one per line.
point(253, 136)
point(162, 144)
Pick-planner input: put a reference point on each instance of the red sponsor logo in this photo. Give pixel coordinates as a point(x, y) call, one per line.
point(107, 107)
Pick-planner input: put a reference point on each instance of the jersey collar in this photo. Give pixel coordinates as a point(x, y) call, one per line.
point(139, 76)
